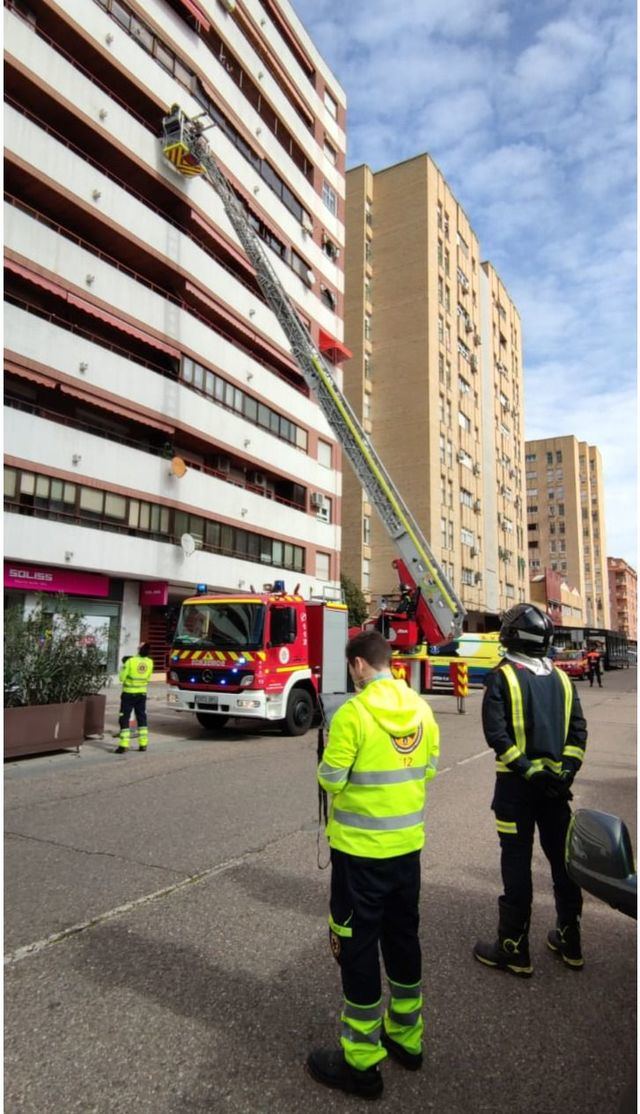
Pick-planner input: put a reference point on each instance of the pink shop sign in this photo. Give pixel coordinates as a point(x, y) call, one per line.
point(37, 578)
point(154, 593)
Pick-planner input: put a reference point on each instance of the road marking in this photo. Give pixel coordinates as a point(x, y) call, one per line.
point(481, 754)
point(40, 945)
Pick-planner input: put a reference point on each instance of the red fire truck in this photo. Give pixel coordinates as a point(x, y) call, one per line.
point(269, 655)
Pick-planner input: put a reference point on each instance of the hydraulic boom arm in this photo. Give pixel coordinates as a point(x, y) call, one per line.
point(439, 612)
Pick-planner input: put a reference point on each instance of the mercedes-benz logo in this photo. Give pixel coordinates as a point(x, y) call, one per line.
point(207, 676)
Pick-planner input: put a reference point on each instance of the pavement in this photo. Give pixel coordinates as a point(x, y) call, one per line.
point(166, 935)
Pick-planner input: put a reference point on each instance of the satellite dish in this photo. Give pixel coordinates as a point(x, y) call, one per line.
point(177, 467)
point(188, 544)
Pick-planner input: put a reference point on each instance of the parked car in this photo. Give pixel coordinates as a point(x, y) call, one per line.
point(573, 662)
point(599, 858)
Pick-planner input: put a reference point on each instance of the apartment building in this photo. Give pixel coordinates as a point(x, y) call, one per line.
point(436, 378)
point(566, 521)
point(623, 597)
point(150, 392)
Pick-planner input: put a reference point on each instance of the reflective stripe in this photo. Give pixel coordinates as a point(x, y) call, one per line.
point(332, 773)
point(362, 1013)
point(552, 764)
point(509, 827)
point(517, 708)
point(388, 777)
point(377, 823)
point(400, 991)
point(568, 699)
point(357, 1037)
point(340, 929)
point(574, 752)
point(408, 1018)
point(510, 755)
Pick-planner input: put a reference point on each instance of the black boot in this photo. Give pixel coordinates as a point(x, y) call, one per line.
point(410, 1060)
point(564, 940)
point(510, 952)
point(328, 1066)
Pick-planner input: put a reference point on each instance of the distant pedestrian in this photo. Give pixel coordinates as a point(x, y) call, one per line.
point(533, 720)
point(593, 667)
point(135, 675)
point(383, 748)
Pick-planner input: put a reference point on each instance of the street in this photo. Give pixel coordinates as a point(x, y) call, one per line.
point(197, 973)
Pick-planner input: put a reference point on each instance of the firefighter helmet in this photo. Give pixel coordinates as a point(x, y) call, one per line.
point(527, 630)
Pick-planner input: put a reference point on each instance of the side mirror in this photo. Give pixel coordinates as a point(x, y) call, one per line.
point(599, 859)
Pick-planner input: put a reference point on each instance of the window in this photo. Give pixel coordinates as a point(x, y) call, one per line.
point(468, 576)
point(328, 297)
point(301, 268)
point(464, 422)
point(323, 565)
point(441, 330)
point(331, 104)
point(330, 153)
point(443, 532)
point(366, 572)
point(463, 386)
point(462, 244)
point(367, 327)
point(366, 530)
point(442, 449)
point(440, 253)
point(91, 500)
point(549, 458)
point(467, 537)
point(466, 497)
point(559, 456)
point(330, 198)
point(324, 453)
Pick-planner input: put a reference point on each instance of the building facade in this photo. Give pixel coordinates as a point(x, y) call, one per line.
point(623, 597)
point(566, 520)
point(436, 378)
point(159, 433)
point(553, 595)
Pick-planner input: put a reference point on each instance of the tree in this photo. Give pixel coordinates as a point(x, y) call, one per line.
point(355, 601)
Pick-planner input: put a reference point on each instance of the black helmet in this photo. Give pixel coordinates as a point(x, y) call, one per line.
point(527, 630)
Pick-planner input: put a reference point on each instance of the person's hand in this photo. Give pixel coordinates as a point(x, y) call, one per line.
point(558, 786)
point(538, 784)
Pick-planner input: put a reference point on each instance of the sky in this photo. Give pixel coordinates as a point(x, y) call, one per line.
point(528, 108)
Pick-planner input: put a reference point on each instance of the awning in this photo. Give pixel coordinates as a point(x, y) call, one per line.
point(27, 373)
point(34, 277)
point(195, 11)
point(334, 349)
point(115, 408)
point(124, 326)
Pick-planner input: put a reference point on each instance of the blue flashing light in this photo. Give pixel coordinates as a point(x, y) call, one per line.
point(201, 589)
point(278, 585)
point(192, 680)
point(222, 681)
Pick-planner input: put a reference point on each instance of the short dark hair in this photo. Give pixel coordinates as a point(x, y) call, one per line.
point(144, 651)
point(370, 645)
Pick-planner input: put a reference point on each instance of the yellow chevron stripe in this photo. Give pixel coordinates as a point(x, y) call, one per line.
point(198, 654)
point(233, 655)
point(220, 656)
point(261, 654)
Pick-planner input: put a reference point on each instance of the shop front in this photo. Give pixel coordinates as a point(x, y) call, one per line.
point(97, 598)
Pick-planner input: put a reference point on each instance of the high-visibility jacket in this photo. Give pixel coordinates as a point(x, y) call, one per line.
point(135, 674)
point(383, 747)
point(533, 721)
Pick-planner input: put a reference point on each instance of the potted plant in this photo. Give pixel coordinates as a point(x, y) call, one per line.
point(51, 665)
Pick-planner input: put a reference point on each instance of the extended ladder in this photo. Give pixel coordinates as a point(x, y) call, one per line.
point(439, 612)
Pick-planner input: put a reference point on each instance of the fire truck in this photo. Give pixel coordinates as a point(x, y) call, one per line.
point(269, 655)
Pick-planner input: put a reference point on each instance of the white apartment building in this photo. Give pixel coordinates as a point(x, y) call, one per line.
point(149, 391)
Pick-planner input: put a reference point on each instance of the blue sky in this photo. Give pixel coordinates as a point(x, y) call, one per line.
point(529, 110)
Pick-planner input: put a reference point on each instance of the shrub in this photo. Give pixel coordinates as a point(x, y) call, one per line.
point(355, 601)
point(50, 659)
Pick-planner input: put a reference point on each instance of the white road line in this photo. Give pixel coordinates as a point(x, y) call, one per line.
point(481, 754)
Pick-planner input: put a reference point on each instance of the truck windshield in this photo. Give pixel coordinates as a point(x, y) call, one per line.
point(220, 626)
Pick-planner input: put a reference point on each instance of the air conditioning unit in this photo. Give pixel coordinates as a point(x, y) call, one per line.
point(474, 551)
point(257, 479)
point(477, 578)
point(460, 456)
point(317, 500)
point(477, 506)
point(474, 362)
point(468, 325)
point(476, 469)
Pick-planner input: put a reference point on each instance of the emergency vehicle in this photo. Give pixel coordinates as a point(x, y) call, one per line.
point(273, 684)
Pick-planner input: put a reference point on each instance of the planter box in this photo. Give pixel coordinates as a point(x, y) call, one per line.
point(41, 728)
point(95, 707)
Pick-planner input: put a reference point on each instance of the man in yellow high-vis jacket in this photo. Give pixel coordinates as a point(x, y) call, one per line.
point(383, 747)
point(135, 676)
point(533, 720)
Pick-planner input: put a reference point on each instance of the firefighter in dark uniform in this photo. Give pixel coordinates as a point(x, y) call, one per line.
point(532, 718)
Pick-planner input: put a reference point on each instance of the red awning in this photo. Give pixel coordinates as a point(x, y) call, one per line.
point(334, 349)
point(194, 10)
point(34, 277)
point(26, 373)
point(124, 326)
point(115, 408)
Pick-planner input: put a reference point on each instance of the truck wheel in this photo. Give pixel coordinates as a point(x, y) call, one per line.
point(299, 713)
point(211, 720)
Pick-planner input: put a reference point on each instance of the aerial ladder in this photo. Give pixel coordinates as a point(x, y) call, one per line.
point(436, 608)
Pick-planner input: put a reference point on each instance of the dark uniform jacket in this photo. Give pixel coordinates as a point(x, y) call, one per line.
point(533, 721)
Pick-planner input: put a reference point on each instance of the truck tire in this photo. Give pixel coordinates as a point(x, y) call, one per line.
point(299, 713)
point(211, 720)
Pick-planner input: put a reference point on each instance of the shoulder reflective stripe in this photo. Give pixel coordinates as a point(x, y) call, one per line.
point(574, 752)
point(510, 755)
point(408, 1018)
point(362, 1013)
point(377, 823)
point(332, 773)
point(339, 929)
point(568, 699)
point(356, 1036)
point(517, 708)
point(387, 777)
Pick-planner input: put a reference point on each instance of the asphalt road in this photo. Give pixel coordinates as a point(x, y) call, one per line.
point(166, 939)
